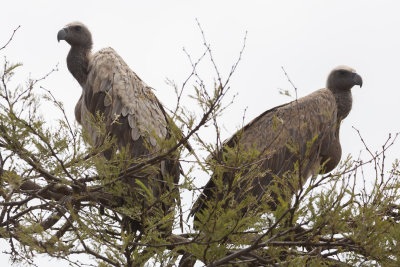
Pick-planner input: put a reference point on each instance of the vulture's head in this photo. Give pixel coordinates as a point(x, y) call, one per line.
point(76, 34)
point(343, 78)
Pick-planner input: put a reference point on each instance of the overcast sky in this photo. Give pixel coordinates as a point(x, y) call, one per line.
point(307, 38)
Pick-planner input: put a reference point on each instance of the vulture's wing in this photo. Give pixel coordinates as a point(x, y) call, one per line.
point(272, 133)
point(133, 115)
point(132, 112)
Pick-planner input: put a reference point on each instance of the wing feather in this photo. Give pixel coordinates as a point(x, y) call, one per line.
point(135, 134)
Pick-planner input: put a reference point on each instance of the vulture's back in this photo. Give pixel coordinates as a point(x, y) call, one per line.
point(133, 113)
point(299, 120)
point(308, 125)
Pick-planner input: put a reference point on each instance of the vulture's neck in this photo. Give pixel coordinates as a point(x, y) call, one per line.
point(344, 101)
point(78, 62)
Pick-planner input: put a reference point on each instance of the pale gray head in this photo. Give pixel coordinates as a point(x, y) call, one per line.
point(76, 34)
point(343, 78)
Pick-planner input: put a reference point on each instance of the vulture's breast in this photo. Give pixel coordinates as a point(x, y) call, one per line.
point(332, 155)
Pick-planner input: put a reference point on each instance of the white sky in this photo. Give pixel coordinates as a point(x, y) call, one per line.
point(307, 38)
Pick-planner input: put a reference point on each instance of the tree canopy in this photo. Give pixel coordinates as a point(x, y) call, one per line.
point(59, 196)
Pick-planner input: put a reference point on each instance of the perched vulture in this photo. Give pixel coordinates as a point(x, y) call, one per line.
point(305, 131)
point(132, 113)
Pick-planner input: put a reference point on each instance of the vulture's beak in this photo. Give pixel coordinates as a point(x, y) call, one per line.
point(61, 35)
point(357, 79)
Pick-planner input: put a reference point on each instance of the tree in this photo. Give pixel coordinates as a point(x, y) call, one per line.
point(59, 196)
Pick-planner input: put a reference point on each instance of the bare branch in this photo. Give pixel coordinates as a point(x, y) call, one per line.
point(12, 36)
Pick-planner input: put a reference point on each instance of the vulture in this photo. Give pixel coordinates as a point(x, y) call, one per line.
point(301, 136)
point(132, 113)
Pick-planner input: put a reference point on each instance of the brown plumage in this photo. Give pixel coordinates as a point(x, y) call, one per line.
point(132, 113)
point(277, 131)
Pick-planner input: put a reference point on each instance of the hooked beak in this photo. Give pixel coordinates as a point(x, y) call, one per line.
point(357, 79)
point(61, 34)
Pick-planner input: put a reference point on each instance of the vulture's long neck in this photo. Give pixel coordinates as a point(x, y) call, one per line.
point(344, 101)
point(78, 62)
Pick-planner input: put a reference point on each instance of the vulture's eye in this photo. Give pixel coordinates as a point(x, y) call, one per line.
point(77, 28)
point(342, 72)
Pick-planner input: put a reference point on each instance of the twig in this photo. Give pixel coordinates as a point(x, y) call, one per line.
point(9, 40)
